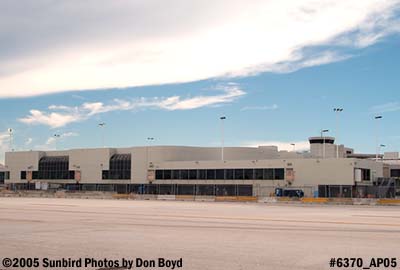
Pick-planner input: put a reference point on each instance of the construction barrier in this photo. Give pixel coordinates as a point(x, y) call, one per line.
point(185, 197)
point(226, 199)
point(204, 198)
point(389, 201)
point(120, 196)
point(314, 200)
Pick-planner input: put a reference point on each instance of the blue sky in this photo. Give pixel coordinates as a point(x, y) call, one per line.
point(286, 96)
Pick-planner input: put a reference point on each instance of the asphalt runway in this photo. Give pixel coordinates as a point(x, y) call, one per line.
point(205, 235)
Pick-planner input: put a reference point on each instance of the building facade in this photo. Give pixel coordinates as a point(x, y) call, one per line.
point(244, 171)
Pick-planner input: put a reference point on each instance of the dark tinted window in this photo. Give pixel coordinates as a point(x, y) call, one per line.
point(279, 174)
point(184, 174)
point(229, 174)
point(395, 173)
point(167, 174)
point(175, 174)
point(220, 174)
point(238, 174)
point(53, 168)
point(159, 174)
point(258, 174)
point(202, 174)
point(192, 174)
point(120, 167)
point(248, 174)
point(211, 174)
point(269, 174)
point(23, 175)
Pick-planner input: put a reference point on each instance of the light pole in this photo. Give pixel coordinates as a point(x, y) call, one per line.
point(222, 118)
point(10, 133)
point(56, 136)
point(149, 140)
point(337, 111)
point(102, 126)
point(378, 117)
point(380, 148)
point(294, 146)
point(323, 131)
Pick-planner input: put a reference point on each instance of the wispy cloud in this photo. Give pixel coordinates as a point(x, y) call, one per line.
point(387, 107)
point(108, 44)
point(299, 145)
point(60, 115)
point(260, 108)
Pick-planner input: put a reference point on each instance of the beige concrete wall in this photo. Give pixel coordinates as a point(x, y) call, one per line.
point(91, 162)
point(21, 161)
point(308, 172)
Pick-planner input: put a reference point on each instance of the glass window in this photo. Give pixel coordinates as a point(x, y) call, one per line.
point(53, 168)
point(175, 174)
point(238, 174)
point(167, 174)
point(192, 174)
point(120, 167)
point(279, 174)
point(259, 174)
point(211, 174)
point(202, 174)
point(184, 174)
point(248, 174)
point(220, 174)
point(23, 175)
point(159, 174)
point(365, 174)
point(245, 190)
point(269, 174)
point(229, 174)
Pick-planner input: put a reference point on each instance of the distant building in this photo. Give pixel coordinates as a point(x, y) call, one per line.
point(328, 170)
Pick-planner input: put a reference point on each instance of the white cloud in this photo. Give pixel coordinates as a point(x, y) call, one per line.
point(387, 107)
point(60, 115)
point(299, 146)
point(260, 108)
point(57, 46)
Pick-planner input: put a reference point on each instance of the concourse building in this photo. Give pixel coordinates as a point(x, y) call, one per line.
point(328, 170)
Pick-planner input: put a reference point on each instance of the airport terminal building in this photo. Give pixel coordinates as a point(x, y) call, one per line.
point(328, 170)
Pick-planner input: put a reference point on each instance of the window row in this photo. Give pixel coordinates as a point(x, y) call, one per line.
point(49, 175)
point(221, 174)
point(120, 168)
point(116, 175)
